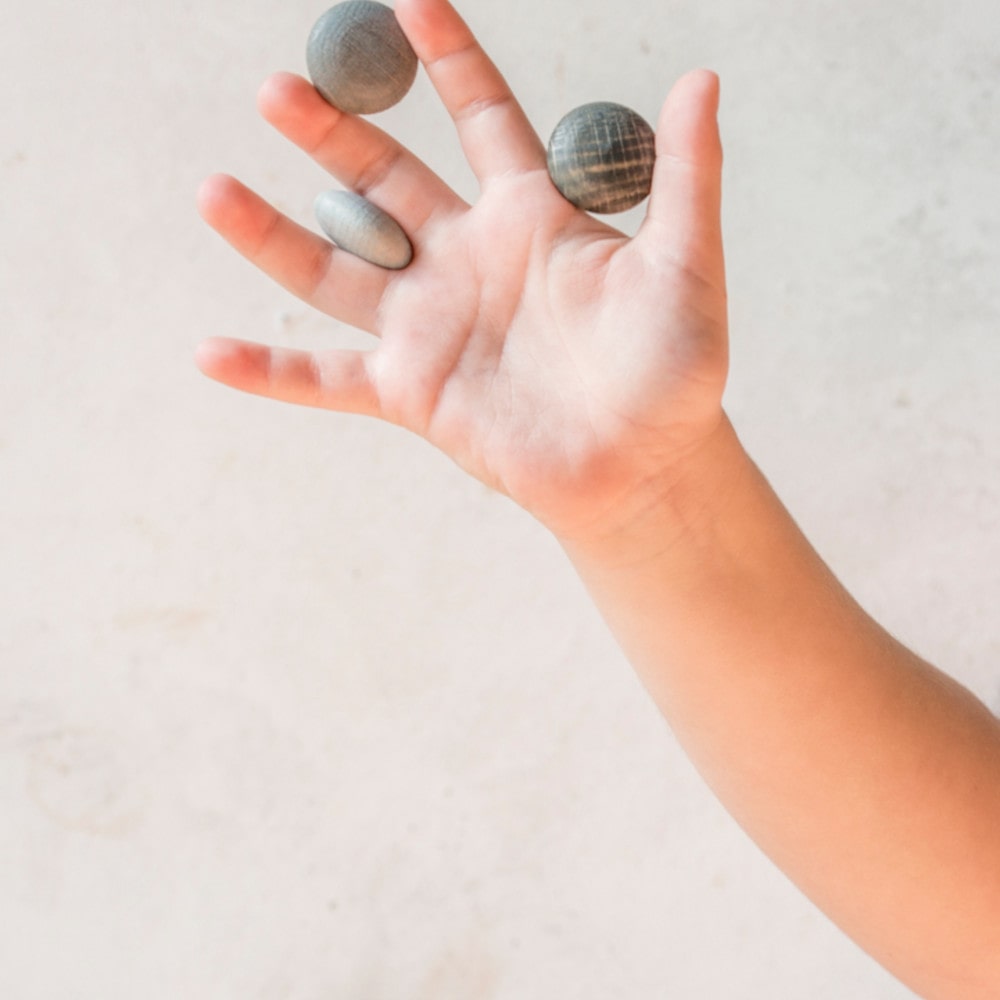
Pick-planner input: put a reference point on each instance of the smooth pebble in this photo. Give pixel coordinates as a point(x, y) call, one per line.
point(359, 59)
point(357, 226)
point(601, 156)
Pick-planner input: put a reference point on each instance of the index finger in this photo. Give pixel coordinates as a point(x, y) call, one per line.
point(494, 131)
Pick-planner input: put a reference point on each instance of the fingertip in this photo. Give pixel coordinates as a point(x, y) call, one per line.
point(697, 87)
point(688, 125)
point(433, 27)
point(278, 92)
point(410, 12)
point(211, 354)
point(214, 192)
point(699, 84)
point(707, 82)
point(238, 364)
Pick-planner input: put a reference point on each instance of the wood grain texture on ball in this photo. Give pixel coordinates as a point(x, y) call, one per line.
point(359, 59)
point(601, 156)
point(363, 229)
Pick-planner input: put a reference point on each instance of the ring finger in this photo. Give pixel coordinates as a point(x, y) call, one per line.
point(329, 279)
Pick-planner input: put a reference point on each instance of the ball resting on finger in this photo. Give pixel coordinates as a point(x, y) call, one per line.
point(601, 156)
point(359, 59)
point(357, 226)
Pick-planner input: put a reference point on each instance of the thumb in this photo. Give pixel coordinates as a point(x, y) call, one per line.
point(683, 220)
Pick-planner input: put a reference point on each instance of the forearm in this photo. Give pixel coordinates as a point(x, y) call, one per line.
point(870, 778)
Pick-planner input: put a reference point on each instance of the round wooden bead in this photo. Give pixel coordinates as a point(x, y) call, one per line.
point(359, 59)
point(601, 156)
point(363, 229)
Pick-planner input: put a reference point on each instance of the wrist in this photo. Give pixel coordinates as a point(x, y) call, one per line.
point(681, 508)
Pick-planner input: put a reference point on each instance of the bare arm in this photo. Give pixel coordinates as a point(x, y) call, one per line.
point(582, 373)
point(869, 777)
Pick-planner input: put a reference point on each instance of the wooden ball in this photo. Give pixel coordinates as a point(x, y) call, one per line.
point(359, 59)
point(363, 229)
point(601, 156)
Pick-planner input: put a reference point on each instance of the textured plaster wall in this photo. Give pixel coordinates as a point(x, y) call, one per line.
point(291, 710)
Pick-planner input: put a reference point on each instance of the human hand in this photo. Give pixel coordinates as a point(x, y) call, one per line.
point(553, 358)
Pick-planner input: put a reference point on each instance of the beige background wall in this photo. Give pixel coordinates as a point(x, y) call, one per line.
point(289, 709)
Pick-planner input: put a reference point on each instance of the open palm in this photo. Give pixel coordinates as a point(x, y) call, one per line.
point(551, 357)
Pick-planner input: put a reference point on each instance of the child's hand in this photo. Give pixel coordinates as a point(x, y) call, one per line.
point(551, 357)
point(582, 373)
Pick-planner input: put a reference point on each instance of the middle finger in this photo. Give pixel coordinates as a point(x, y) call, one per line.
point(359, 154)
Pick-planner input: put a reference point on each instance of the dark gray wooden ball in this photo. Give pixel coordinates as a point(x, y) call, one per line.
point(601, 156)
point(359, 59)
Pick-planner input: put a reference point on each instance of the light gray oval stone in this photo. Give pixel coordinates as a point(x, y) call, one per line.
point(363, 229)
point(359, 59)
point(601, 157)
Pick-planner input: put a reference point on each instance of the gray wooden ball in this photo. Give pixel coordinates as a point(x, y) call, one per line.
point(359, 59)
point(363, 229)
point(601, 156)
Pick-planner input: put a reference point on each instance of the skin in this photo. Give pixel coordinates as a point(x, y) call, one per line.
point(581, 373)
